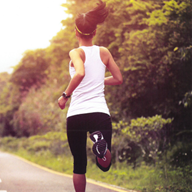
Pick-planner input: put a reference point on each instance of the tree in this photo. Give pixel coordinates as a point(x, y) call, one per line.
point(143, 42)
point(10, 100)
point(31, 71)
point(39, 112)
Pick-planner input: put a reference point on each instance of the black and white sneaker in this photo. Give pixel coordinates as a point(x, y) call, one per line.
point(100, 145)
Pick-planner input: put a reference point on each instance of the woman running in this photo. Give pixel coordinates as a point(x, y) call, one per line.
point(88, 111)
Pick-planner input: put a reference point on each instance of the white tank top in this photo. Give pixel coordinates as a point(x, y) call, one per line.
point(89, 96)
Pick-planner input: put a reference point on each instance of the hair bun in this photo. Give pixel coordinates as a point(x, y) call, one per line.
point(86, 23)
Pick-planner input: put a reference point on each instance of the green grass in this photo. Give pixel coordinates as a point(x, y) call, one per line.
point(144, 178)
point(47, 159)
point(126, 178)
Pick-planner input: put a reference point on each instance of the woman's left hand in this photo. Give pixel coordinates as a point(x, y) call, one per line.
point(62, 101)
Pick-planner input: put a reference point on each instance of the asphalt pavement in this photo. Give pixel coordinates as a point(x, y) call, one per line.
point(19, 175)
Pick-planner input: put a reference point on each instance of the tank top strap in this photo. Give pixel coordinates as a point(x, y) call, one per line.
point(92, 53)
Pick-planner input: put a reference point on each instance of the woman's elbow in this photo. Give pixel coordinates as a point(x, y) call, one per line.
point(120, 81)
point(81, 74)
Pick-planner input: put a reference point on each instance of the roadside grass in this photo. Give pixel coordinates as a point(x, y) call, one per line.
point(46, 159)
point(124, 176)
point(40, 150)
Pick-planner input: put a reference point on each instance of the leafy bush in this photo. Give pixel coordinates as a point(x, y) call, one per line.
point(144, 137)
point(180, 155)
point(54, 142)
point(9, 143)
point(39, 112)
point(41, 149)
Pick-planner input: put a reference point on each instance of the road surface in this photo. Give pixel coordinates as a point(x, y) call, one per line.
point(19, 175)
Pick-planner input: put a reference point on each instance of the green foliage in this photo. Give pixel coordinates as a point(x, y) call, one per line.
point(180, 155)
point(145, 178)
point(31, 71)
point(143, 42)
point(151, 42)
point(39, 112)
point(53, 142)
point(143, 137)
point(4, 78)
point(9, 143)
point(186, 101)
point(58, 55)
point(142, 36)
point(10, 99)
point(142, 127)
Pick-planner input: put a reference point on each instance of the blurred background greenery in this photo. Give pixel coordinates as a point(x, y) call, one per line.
point(151, 41)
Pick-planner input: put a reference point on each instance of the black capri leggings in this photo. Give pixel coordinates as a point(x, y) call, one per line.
point(77, 128)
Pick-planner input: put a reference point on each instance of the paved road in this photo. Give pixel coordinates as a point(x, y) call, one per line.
point(17, 175)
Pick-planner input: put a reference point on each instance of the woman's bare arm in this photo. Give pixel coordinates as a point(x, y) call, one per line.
point(79, 71)
point(108, 60)
point(77, 78)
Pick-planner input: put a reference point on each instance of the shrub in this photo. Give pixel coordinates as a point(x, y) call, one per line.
point(142, 137)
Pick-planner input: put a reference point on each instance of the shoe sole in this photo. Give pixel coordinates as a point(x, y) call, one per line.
point(96, 136)
point(100, 148)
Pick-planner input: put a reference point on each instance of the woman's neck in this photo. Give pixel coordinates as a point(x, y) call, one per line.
point(85, 42)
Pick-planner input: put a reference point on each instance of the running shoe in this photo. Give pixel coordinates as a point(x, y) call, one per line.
point(100, 145)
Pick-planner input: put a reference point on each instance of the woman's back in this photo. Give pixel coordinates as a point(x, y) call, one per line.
point(89, 96)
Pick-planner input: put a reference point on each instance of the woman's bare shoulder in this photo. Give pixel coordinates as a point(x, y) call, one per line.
point(104, 49)
point(75, 50)
point(78, 52)
point(104, 54)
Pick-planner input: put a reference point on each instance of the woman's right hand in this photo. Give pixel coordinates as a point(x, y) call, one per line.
point(62, 101)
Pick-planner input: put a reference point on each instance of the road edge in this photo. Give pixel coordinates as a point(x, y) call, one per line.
point(105, 185)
